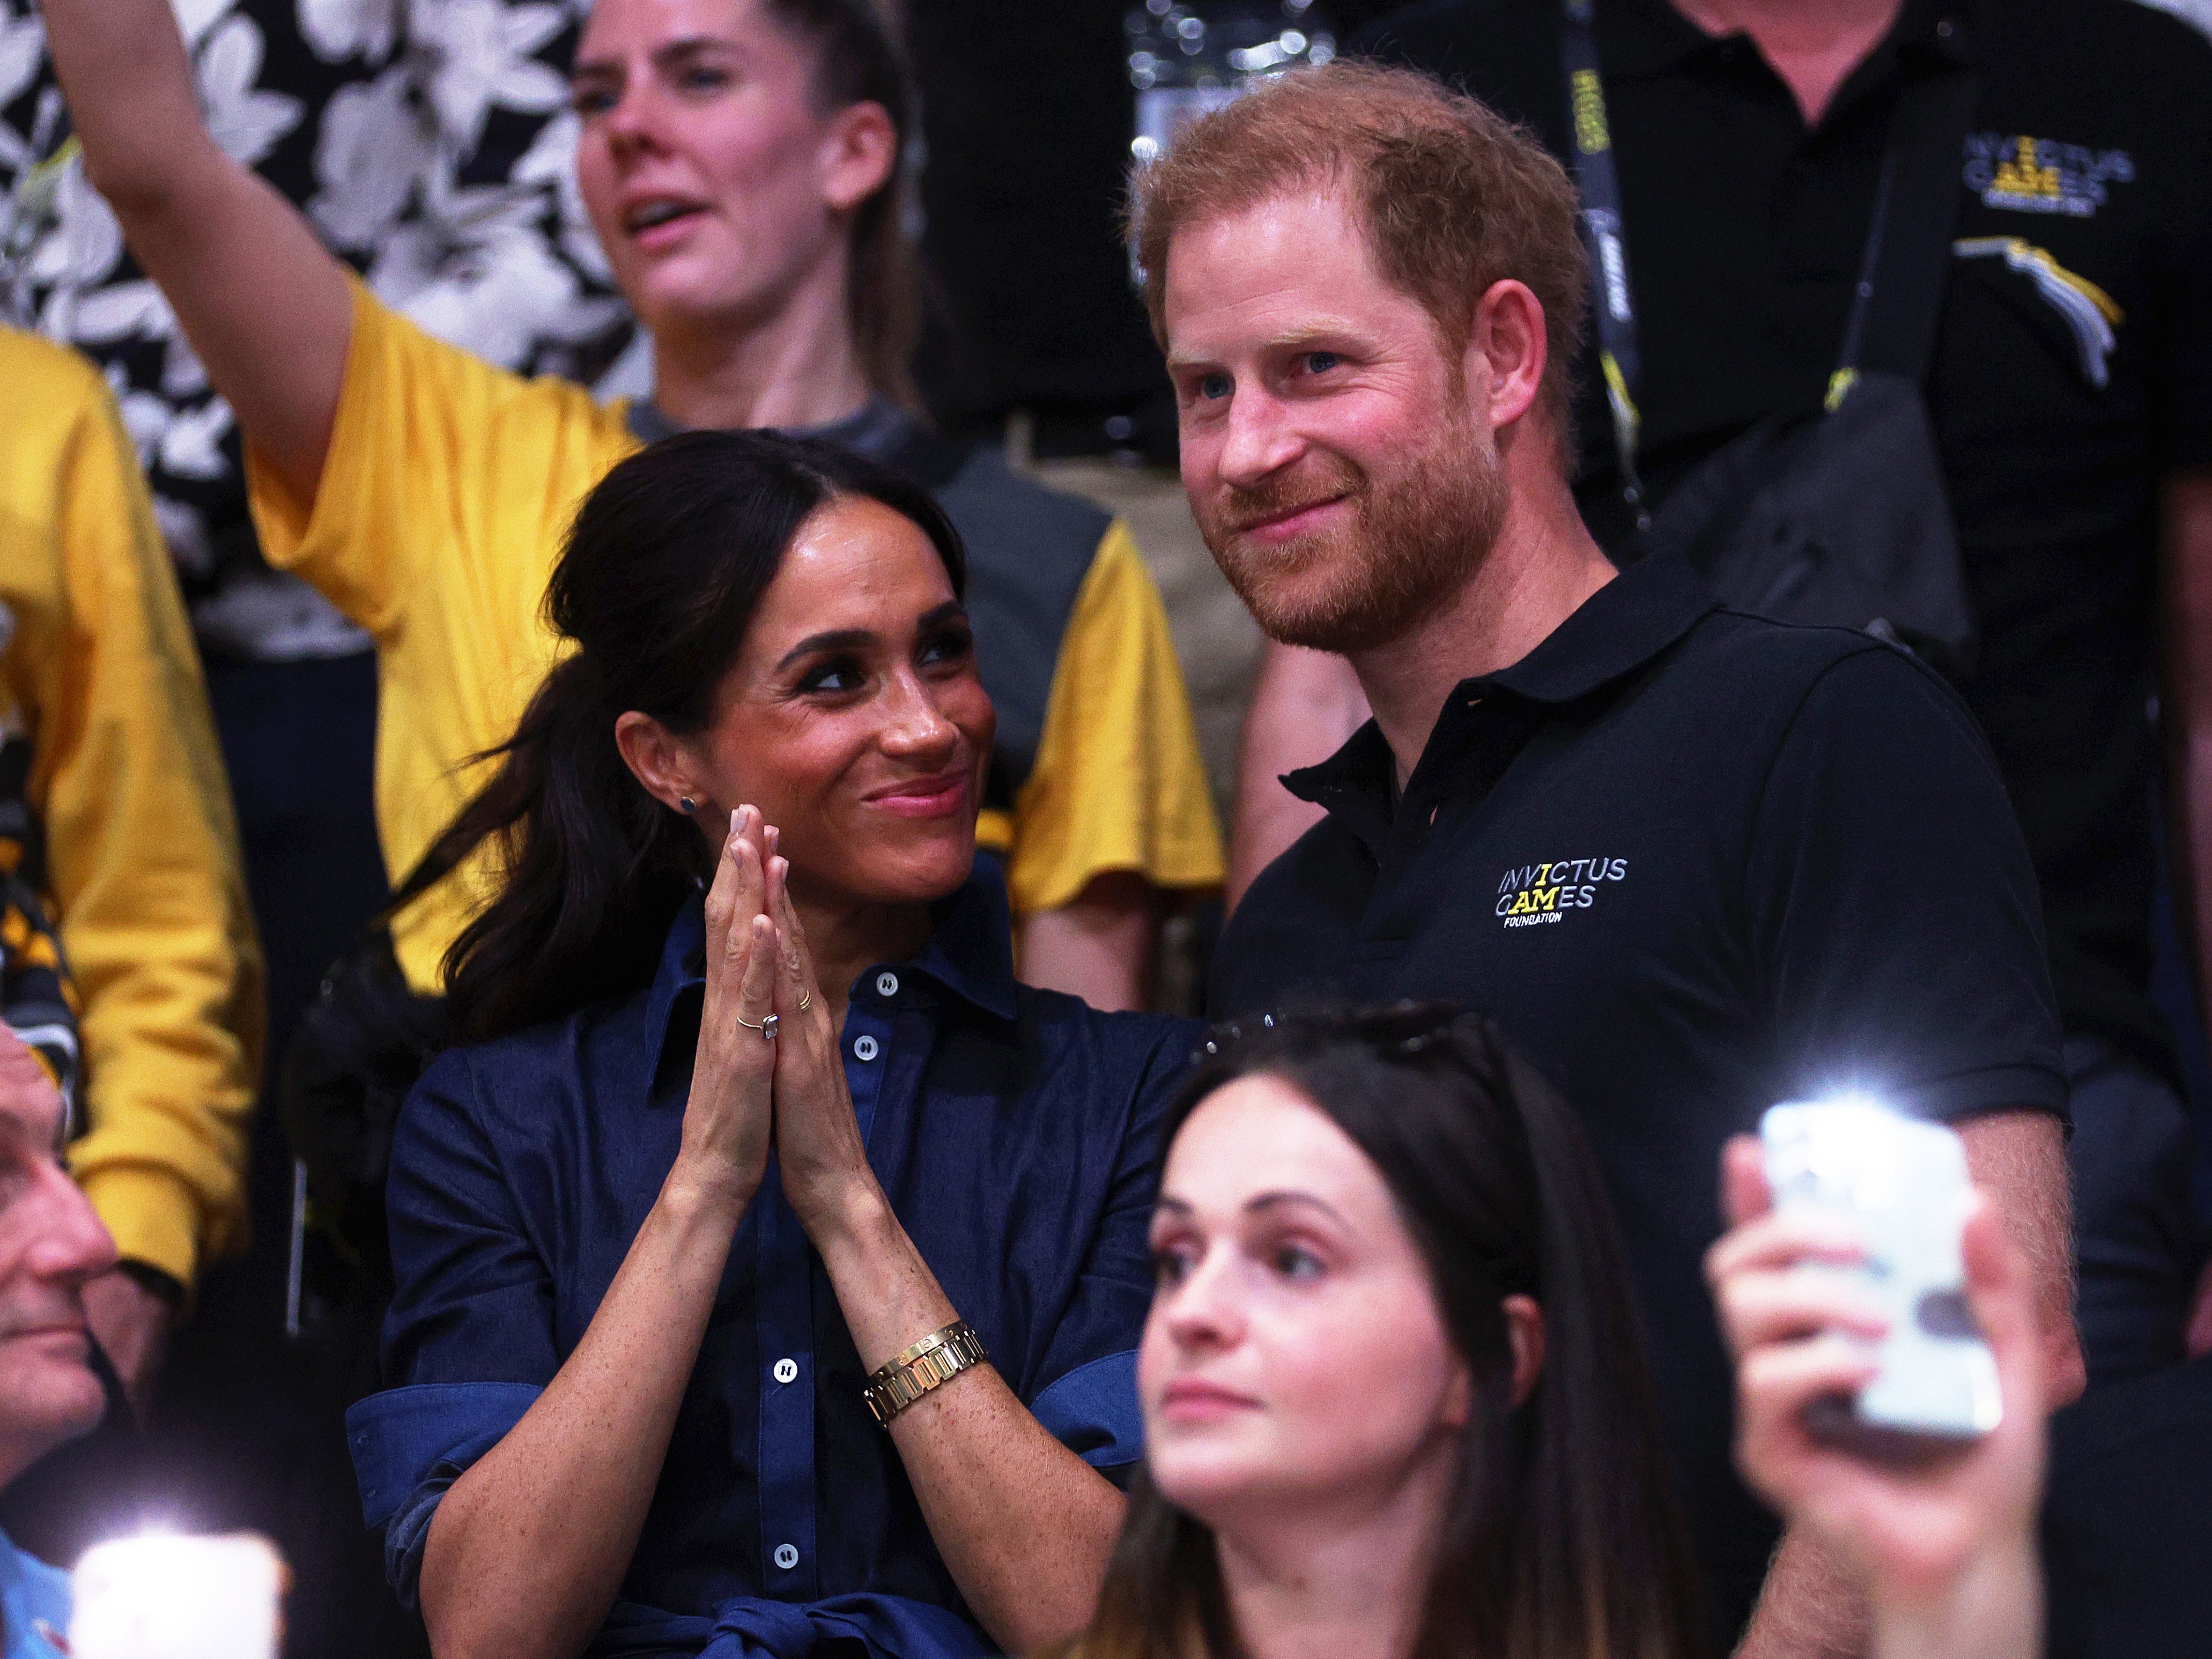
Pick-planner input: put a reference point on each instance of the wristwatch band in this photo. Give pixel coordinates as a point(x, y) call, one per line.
point(929, 1364)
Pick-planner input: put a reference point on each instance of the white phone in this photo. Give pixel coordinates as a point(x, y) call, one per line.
point(1901, 1183)
point(160, 1596)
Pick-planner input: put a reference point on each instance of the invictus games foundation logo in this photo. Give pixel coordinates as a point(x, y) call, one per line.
point(2043, 175)
point(1535, 894)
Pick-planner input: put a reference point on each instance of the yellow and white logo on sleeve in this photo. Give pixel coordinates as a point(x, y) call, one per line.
point(2087, 309)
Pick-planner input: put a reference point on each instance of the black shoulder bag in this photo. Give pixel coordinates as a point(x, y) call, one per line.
point(1837, 516)
point(357, 1052)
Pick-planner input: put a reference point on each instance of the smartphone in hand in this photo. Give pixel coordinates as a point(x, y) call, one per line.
point(1900, 1183)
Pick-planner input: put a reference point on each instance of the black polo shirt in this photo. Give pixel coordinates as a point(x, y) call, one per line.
point(1694, 863)
point(2087, 174)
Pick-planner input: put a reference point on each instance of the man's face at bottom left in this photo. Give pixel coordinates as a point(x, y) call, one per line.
point(51, 1243)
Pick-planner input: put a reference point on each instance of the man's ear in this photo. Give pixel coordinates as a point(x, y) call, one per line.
point(658, 759)
point(1506, 351)
point(858, 155)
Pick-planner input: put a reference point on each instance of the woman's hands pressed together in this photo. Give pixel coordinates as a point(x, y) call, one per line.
point(822, 1159)
point(1943, 1542)
point(728, 1120)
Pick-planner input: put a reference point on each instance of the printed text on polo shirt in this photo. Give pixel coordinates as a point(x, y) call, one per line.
point(1543, 892)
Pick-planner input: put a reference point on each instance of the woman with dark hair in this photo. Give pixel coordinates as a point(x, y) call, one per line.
point(745, 167)
point(753, 1142)
point(1395, 1399)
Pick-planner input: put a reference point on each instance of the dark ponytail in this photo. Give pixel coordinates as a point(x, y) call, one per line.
point(860, 58)
point(656, 583)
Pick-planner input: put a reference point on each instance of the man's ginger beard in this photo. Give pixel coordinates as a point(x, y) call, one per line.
point(1412, 536)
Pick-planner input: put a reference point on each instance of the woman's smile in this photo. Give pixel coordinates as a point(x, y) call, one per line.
point(940, 795)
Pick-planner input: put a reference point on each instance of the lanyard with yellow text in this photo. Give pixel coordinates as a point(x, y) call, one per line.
point(1601, 229)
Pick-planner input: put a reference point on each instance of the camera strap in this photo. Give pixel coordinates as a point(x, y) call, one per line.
point(1905, 260)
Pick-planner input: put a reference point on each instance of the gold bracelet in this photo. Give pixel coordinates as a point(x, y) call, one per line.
point(929, 1364)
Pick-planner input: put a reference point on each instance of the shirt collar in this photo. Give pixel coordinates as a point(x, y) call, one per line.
point(1637, 37)
point(969, 954)
point(1614, 632)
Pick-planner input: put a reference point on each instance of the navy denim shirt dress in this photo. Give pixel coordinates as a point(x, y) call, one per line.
point(1016, 1132)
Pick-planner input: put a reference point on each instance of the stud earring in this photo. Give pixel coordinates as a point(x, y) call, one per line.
point(688, 805)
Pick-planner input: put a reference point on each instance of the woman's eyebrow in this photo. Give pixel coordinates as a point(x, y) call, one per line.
point(668, 57)
point(1265, 1201)
point(837, 638)
point(1257, 1204)
point(671, 56)
point(944, 613)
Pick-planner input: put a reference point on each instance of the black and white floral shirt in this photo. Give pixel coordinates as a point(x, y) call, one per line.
point(429, 144)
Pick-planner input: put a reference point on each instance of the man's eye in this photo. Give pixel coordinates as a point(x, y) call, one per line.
point(1213, 386)
point(593, 100)
point(704, 80)
point(1320, 362)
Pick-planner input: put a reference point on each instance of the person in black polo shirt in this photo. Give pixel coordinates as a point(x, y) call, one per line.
point(2071, 387)
point(1693, 863)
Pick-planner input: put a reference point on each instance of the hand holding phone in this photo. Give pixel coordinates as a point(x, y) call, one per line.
point(1938, 1527)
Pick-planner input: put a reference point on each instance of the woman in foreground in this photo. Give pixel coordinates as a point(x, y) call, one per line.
point(1393, 1399)
point(752, 1121)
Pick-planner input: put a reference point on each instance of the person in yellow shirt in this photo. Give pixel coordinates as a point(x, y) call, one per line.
point(114, 812)
point(741, 162)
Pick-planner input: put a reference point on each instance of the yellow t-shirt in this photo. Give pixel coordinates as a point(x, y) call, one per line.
point(142, 854)
point(446, 490)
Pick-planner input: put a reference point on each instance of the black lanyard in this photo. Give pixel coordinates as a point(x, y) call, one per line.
point(1603, 231)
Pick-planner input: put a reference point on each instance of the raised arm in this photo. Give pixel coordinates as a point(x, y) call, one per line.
point(1939, 1550)
point(264, 305)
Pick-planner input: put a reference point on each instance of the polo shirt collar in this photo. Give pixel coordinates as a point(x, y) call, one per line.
point(969, 954)
point(1617, 630)
point(1637, 37)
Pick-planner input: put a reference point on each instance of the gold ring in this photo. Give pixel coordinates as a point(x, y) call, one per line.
point(766, 1028)
point(806, 1002)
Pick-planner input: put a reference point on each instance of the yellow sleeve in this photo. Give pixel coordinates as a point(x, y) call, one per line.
point(1118, 783)
point(143, 864)
point(437, 460)
point(447, 488)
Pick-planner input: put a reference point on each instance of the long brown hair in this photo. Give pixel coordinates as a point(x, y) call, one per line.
point(1561, 1539)
point(860, 58)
